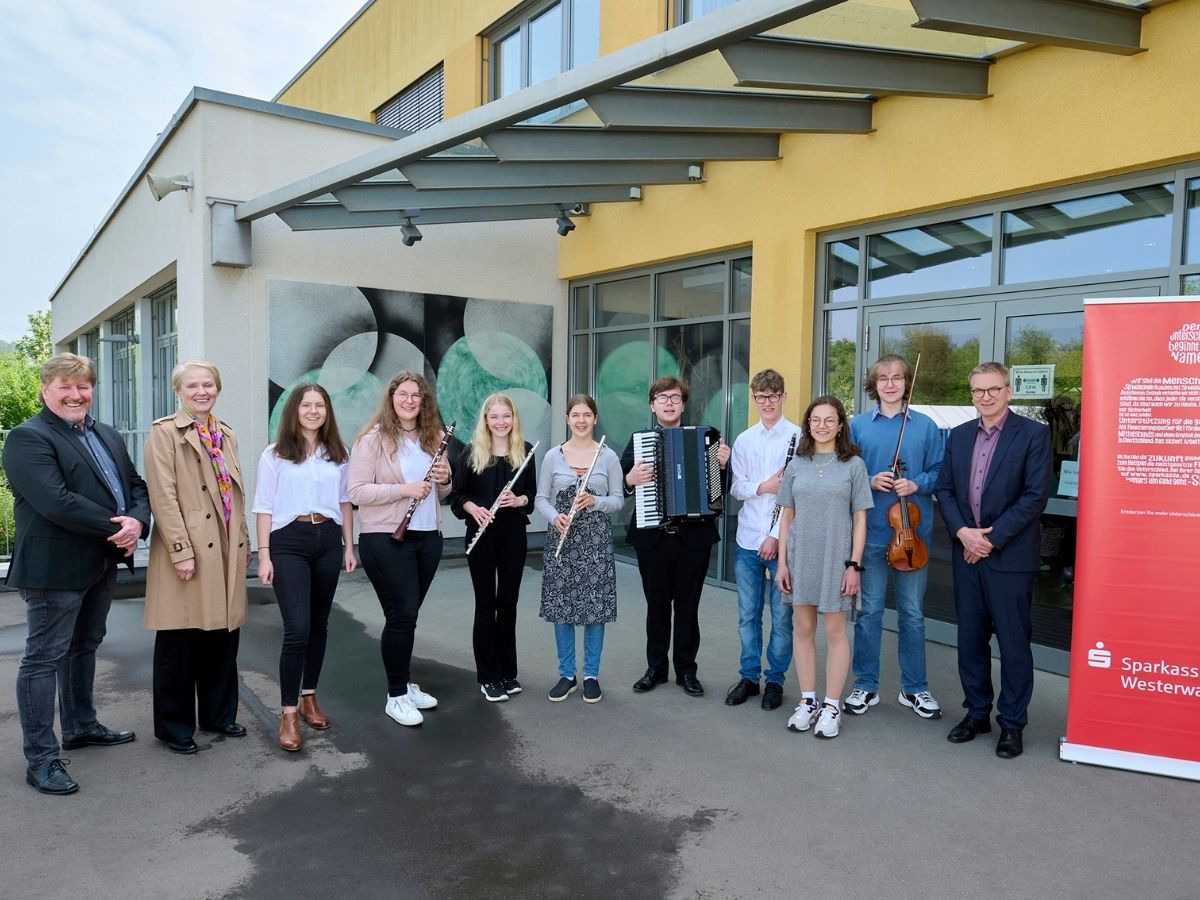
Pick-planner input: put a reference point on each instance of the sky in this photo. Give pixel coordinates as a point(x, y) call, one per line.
point(85, 88)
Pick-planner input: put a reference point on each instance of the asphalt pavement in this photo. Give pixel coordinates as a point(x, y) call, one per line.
point(638, 796)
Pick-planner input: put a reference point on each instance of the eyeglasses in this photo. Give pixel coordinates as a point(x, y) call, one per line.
point(672, 399)
point(890, 379)
point(762, 399)
point(993, 391)
point(817, 423)
point(404, 397)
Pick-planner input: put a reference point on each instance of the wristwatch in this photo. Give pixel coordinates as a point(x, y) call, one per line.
point(851, 564)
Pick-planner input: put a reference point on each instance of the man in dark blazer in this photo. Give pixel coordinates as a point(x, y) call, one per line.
point(992, 489)
point(672, 560)
point(80, 509)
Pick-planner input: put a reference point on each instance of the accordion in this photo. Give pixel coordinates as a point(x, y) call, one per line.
point(687, 475)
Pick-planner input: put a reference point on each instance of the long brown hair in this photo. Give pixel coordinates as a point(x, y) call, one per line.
point(429, 422)
point(843, 446)
point(290, 443)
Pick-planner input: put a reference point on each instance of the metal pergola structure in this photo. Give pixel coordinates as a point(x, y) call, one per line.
point(484, 165)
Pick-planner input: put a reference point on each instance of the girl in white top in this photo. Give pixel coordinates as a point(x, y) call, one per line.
point(305, 533)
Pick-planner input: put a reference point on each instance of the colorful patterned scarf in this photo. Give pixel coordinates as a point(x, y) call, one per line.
point(212, 439)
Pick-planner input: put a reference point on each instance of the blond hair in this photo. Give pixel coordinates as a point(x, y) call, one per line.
point(481, 440)
point(68, 365)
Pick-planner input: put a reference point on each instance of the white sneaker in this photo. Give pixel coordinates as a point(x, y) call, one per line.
point(402, 710)
point(419, 698)
point(860, 701)
point(806, 713)
point(922, 703)
point(829, 724)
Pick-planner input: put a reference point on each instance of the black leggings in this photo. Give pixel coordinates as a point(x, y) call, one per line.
point(497, 562)
point(401, 572)
point(307, 560)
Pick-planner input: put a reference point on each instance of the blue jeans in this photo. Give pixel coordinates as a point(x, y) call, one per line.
point(909, 590)
point(64, 630)
point(753, 589)
point(593, 643)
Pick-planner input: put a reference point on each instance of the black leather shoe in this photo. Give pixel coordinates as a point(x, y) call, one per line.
point(97, 737)
point(233, 729)
point(741, 692)
point(187, 745)
point(51, 778)
point(648, 682)
point(967, 729)
point(1010, 745)
point(772, 696)
point(691, 685)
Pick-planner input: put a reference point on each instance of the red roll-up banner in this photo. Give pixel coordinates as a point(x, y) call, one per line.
point(1134, 697)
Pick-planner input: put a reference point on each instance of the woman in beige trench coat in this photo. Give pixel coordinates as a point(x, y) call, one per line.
point(199, 550)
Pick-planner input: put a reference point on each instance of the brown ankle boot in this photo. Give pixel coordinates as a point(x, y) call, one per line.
point(289, 731)
point(311, 713)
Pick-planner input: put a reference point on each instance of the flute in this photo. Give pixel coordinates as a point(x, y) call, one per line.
point(791, 451)
point(580, 486)
point(496, 505)
point(398, 534)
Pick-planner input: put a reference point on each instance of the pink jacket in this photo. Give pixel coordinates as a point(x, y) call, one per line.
point(375, 481)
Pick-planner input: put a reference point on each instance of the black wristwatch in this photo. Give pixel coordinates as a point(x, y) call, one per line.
point(851, 564)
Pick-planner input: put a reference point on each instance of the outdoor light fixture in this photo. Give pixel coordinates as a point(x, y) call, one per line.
point(695, 173)
point(410, 233)
point(161, 185)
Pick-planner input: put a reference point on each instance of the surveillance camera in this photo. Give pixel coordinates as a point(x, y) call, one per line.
point(410, 234)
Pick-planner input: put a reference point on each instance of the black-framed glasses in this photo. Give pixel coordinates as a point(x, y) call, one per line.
point(762, 399)
point(993, 391)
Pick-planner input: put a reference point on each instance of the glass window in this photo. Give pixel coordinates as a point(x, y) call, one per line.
point(841, 328)
point(581, 308)
point(508, 65)
point(166, 349)
point(695, 354)
point(1122, 231)
point(625, 302)
point(123, 372)
point(743, 272)
point(585, 32)
point(1191, 285)
point(548, 39)
point(925, 259)
point(949, 351)
point(1050, 338)
point(692, 293)
point(582, 366)
point(739, 402)
point(841, 271)
point(545, 45)
point(694, 9)
point(622, 380)
point(1191, 234)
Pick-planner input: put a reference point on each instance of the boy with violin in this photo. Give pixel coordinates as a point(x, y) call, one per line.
point(904, 463)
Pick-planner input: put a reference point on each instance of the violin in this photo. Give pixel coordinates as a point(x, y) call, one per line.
point(906, 552)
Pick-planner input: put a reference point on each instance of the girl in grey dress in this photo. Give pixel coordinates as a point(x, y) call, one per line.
point(825, 496)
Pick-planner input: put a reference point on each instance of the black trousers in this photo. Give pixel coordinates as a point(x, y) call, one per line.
point(672, 579)
point(497, 562)
point(308, 559)
point(401, 573)
point(195, 677)
point(988, 602)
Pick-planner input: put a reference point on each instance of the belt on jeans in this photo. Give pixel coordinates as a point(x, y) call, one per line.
point(314, 518)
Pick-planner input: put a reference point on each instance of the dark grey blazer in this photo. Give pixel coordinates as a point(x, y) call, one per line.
point(62, 505)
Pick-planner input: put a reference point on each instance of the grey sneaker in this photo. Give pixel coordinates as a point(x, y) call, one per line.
point(860, 701)
point(561, 691)
point(493, 692)
point(591, 690)
point(922, 703)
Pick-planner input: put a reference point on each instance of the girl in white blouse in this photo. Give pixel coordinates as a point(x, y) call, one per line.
point(305, 533)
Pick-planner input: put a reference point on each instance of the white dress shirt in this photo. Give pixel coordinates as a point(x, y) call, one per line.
point(288, 490)
point(758, 452)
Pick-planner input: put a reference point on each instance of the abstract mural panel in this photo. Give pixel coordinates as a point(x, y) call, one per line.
point(352, 340)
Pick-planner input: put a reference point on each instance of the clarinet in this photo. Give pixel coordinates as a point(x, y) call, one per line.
point(580, 486)
point(398, 534)
point(791, 451)
point(495, 506)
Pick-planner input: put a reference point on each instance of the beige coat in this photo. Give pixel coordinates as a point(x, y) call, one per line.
point(189, 524)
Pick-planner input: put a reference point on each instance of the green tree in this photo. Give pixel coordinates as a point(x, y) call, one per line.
point(839, 375)
point(37, 345)
point(20, 389)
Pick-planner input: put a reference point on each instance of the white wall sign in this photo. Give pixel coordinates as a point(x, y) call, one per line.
point(1032, 382)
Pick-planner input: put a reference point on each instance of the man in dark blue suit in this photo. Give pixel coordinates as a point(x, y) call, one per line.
point(993, 487)
point(80, 509)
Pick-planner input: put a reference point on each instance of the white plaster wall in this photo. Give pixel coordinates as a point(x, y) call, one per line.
point(236, 154)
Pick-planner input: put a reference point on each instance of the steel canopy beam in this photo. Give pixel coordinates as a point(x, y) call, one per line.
point(821, 66)
point(555, 144)
point(1083, 24)
point(375, 196)
point(326, 216)
point(664, 109)
point(732, 23)
point(434, 174)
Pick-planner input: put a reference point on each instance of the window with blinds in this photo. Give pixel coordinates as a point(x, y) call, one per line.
point(417, 106)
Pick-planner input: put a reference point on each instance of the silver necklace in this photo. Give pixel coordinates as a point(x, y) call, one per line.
point(822, 466)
